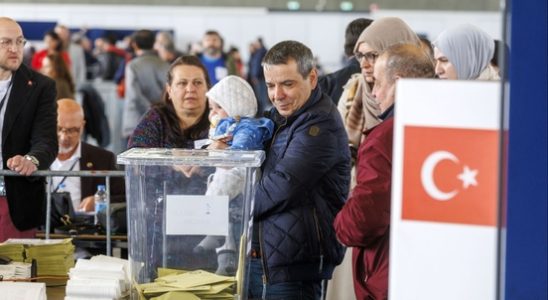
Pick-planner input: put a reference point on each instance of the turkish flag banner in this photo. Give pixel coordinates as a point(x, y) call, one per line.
point(450, 175)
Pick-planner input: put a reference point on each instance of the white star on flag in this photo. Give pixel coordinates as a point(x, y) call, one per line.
point(468, 177)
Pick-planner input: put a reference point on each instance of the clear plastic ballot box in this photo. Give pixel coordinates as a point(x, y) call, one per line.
point(190, 210)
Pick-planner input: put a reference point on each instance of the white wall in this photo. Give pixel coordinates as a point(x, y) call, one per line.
point(322, 32)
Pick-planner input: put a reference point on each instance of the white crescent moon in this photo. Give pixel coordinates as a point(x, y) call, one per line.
point(427, 178)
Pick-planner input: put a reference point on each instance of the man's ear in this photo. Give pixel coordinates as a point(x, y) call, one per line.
point(313, 77)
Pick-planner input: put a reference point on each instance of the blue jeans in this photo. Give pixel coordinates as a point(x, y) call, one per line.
point(295, 290)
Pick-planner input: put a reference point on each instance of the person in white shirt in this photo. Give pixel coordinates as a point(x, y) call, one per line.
point(76, 155)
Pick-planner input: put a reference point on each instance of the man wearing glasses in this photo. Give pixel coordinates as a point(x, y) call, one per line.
point(28, 140)
point(75, 155)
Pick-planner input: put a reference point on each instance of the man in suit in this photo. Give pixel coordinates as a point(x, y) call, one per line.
point(28, 141)
point(76, 155)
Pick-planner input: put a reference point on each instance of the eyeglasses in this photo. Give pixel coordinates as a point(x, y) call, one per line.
point(8, 43)
point(68, 131)
point(369, 56)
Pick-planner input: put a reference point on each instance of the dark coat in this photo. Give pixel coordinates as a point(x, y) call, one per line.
point(94, 112)
point(30, 127)
point(333, 83)
point(95, 158)
point(305, 182)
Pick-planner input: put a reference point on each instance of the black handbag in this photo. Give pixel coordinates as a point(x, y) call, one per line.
point(118, 218)
point(61, 209)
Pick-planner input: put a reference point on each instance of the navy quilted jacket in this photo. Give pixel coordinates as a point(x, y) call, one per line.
point(305, 182)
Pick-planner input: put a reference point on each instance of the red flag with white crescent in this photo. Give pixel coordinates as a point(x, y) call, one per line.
point(450, 175)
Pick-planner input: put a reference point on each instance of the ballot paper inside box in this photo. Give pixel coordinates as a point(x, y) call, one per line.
point(189, 210)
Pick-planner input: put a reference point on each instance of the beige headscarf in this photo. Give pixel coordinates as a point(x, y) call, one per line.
point(385, 32)
point(363, 112)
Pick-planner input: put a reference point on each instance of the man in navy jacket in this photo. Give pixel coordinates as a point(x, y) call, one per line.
point(305, 181)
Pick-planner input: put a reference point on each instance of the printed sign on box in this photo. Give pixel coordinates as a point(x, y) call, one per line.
point(196, 215)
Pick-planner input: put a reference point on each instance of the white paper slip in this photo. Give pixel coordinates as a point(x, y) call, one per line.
point(22, 291)
point(15, 270)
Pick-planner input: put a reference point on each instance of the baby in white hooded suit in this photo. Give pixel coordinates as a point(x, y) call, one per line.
point(233, 106)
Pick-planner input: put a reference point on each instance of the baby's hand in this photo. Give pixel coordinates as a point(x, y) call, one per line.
point(218, 145)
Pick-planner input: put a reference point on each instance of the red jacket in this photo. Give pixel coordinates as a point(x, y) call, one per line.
point(364, 221)
point(36, 62)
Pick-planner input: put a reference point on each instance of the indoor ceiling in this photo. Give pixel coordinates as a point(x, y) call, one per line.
point(307, 5)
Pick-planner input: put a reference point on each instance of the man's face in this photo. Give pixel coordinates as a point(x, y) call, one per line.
point(211, 43)
point(444, 68)
point(69, 130)
point(11, 46)
point(159, 41)
point(384, 89)
point(287, 89)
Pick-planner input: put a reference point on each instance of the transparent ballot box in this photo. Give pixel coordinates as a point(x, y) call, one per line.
point(190, 210)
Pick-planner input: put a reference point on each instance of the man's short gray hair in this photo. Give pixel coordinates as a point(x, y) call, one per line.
point(284, 51)
point(407, 61)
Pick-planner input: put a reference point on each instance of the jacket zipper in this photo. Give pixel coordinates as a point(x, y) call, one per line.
point(265, 276)
point(319, 235)
point(261, 242)
point(278, 130)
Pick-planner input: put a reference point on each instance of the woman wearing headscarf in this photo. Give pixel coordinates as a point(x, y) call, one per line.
point(360, 112)
point(464, 53)
point(370, 262)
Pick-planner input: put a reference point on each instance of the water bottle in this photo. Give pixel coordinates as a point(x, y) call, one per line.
point(100, 202)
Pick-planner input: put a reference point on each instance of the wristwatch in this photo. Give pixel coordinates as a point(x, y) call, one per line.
point(33, 160)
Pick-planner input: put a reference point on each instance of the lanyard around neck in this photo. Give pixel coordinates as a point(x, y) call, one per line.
point(65, 177)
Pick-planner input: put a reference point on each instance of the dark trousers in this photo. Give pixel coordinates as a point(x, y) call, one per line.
point(294, 290)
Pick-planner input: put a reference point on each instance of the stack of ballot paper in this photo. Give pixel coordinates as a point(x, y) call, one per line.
point(101, 277)
point(53, 257)
point(22, 291)
point(15, 270)
point(13, 251)
point(177, 284)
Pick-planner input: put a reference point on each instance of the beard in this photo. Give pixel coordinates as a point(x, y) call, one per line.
point(212, 51)
point(65, 150)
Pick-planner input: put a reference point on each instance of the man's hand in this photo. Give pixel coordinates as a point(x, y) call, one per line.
point(21, 165)
point(87, 204)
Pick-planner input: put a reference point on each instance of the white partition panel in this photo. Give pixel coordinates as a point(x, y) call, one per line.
point(445, 190)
